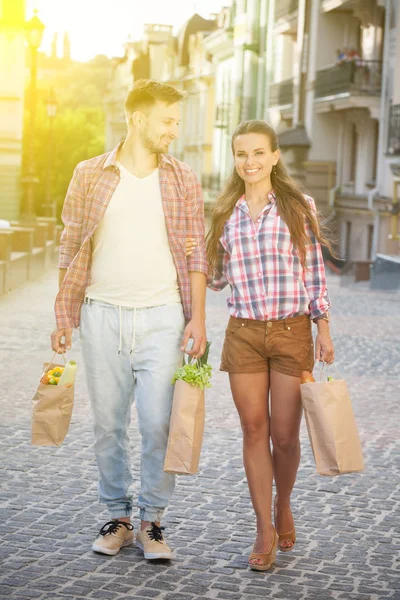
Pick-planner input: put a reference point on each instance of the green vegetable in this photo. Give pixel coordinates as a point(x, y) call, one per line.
point(198, 376)
point(197, 373)
point(329, 378)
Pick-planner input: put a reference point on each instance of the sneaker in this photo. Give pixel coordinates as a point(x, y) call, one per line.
point(151, 542)
point(113, 536)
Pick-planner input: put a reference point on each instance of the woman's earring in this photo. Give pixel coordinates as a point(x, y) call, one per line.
point(274, 170)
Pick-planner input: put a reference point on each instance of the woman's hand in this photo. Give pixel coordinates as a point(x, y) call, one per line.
point(190, 246)
point(324, 350)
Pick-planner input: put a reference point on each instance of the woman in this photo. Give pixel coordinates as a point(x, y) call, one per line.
point(265, 243)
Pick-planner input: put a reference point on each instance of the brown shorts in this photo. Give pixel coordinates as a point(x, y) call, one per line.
point(252, 346)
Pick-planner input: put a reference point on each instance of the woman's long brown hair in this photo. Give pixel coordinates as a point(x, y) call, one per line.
point(293, 208)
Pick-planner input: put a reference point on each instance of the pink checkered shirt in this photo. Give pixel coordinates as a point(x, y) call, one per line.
point(263, 268)
point(88, 196)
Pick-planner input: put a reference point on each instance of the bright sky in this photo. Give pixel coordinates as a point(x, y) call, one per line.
point(101, 27)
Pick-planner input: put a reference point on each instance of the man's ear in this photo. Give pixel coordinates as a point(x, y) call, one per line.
point(138, 118)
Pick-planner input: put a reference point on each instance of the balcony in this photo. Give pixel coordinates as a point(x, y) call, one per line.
point(281, 94)
point(284, 8)
point(361, 77)
point(393, 147)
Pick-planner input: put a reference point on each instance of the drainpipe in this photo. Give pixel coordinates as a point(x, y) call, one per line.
point(382, 130)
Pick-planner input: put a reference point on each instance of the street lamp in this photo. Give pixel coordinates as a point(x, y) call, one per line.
point(34, 32)
point(51, 107)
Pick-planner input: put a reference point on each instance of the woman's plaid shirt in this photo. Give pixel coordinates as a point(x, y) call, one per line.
point(88, 196)
point(259, 262)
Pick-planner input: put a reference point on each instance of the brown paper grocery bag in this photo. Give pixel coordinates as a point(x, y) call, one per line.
point(186, 430)
point(52, 411)
point(331, 427)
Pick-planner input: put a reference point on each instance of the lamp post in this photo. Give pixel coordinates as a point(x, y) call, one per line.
point(34, 32)
point(51, 107)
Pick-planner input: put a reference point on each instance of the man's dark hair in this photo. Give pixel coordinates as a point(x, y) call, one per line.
point(146, 92)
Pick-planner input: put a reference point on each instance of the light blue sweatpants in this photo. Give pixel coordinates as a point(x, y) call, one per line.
point(131, 354)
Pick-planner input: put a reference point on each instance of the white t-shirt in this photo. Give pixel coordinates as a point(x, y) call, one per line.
point(132, 264)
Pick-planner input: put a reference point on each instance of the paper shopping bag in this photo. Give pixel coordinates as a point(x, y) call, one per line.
point(52, 410)
point(331, 427)
point(186, 429)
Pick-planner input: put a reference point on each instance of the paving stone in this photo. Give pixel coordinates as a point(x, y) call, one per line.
point(347, 545)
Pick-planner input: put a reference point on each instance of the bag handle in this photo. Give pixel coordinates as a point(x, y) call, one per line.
point(191, 361)
point(324, 364)
point(52, 363)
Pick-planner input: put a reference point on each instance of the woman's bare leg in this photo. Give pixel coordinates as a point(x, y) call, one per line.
point(250, 393)
point(286, 411)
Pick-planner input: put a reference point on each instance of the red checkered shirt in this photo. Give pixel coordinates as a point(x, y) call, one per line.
point(259, 262)
point(88, 196)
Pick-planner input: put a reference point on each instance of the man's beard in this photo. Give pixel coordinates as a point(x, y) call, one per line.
point(154, 147)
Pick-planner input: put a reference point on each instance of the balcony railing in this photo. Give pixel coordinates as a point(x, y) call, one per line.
point(281, 93)
point(357, 77)
point(393, 147)
point(283, 8)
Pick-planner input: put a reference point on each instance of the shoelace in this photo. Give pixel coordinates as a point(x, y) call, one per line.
point(156, 533)
point(112, 527)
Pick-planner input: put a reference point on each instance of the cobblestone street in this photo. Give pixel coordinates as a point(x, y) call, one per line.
point(348, 527)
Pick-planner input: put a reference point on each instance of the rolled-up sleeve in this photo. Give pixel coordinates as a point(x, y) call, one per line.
point(72, 217)
point(314, 274)
point(217, 281)
point(195, 228)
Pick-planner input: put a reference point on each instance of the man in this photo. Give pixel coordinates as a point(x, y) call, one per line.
point(126, 282)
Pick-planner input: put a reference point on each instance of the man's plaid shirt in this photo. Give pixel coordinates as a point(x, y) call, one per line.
point(259, 262)
point(88, 196)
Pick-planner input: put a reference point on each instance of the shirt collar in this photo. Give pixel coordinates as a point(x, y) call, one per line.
point(111, 160)
point(241, 203)
point(164, 160)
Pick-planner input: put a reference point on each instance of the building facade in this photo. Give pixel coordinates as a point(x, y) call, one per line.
point(333, 96)
point(323, 72)
point(12, 84)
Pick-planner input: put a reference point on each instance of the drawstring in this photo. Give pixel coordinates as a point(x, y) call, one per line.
point(134, 330)
point(120, 329)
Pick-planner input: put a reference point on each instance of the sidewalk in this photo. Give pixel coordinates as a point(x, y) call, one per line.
point(348, 527)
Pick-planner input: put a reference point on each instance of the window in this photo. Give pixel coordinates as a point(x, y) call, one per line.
point(370, 242)
point(353, 153)
point(348, 240)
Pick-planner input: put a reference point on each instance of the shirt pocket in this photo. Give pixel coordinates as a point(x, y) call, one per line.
point(234, 239)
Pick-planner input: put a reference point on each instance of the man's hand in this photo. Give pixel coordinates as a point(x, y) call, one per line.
point(195, 329)
point(57, 344)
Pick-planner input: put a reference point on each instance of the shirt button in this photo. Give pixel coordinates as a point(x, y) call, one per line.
point(259, 274)
point(255, 237)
